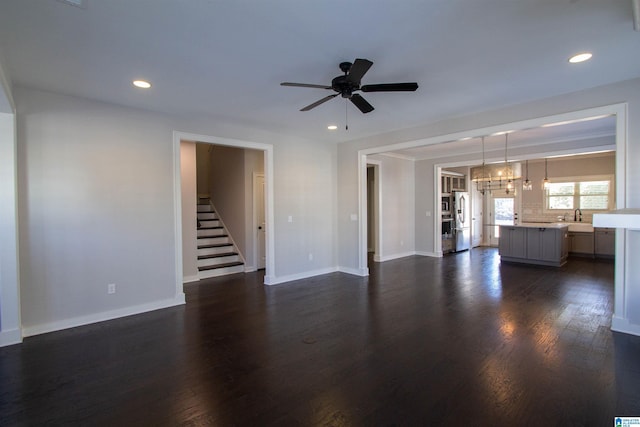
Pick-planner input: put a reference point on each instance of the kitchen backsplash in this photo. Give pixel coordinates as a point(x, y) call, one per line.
point(534, 212)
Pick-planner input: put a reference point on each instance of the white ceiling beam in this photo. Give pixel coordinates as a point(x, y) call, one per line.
point(636, 14)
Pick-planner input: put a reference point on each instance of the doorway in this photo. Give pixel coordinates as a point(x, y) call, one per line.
point(502, 210)
point(269, 246)
point(374, 236)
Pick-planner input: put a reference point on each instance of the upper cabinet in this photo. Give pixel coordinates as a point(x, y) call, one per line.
point(452, 181)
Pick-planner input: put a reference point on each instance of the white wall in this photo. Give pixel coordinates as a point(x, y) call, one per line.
point(627, 318)
point(96, 194)
point(397, 194)
point(188, 174)
point(9, 275)
point(227, 186)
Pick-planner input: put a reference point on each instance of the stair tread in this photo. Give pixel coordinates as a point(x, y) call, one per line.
point(217, 227)
point(217, 255)
point(214, 245)
point(217, 266)
point(213, 237)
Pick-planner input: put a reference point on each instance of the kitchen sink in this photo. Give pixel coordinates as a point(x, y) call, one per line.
point(580, 227)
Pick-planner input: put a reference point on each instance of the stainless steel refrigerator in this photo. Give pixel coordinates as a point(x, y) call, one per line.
point(462, 220)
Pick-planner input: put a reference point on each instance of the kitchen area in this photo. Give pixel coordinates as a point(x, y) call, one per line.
point(542, 216)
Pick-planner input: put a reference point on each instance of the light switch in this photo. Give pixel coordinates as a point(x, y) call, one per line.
point(354, 217)
point(290, 219)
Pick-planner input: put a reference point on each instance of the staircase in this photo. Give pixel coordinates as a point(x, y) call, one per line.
point(217, 254)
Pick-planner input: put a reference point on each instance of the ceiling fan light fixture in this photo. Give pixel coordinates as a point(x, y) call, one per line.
point(580, 57)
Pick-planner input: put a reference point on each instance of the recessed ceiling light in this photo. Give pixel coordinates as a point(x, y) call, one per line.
point(332, 127)
point(142, 84)
point(581, 57)
point(466, 138)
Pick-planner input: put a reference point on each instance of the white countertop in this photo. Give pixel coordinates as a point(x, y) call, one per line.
point(558, 225)
point(621, 218)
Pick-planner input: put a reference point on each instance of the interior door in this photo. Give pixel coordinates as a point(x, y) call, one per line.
point(502, 211)
point(261, 258)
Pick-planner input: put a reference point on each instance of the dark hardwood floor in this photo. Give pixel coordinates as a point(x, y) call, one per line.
point(457, 341)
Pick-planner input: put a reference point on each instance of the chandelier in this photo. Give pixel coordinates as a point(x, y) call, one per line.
point(496, 176)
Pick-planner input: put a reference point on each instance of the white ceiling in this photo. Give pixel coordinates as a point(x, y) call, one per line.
point(224, 59)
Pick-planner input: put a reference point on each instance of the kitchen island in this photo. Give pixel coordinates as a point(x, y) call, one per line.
point(535, 243)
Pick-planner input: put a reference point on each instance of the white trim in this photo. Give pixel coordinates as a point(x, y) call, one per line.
point(250, 268)
point(395, 256)
point(177, 213)
point(10, 337)
point(430, 254)
point(299, 276)
point(354, 271)
point(620, 324)
point(189, 279)
point(269, 193)
point(101, 317)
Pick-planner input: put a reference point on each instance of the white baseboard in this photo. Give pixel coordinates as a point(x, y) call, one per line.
point(101, 317)
point(395, 256)
point(355, 271)
point(250, 268)
point(189, 279)
point(10, 337)
point(430, 254)
point(620, 324)
point(272, 280)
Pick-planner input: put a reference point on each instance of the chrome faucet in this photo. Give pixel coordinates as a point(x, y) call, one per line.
point(577, 215)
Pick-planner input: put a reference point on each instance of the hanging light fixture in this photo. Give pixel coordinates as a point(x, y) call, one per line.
point(496, 176)
point(509, 177)
point(526, 185)
point(545, 181)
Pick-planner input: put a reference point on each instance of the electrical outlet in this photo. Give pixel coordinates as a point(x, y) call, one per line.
point(111, 288)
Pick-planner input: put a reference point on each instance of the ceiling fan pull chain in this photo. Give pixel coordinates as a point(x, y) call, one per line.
point(346, 115)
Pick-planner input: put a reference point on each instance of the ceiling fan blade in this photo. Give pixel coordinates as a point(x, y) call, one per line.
point(361, 103)
point(358, 69)
point(390, 87)
point(304, 85)
point(322, 101)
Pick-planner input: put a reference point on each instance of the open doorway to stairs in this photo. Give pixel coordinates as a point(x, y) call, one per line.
point(220, 204)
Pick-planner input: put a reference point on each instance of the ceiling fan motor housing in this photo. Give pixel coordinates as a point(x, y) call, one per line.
point(344, 86)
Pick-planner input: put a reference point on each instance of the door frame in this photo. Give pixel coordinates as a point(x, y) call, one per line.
point(256, 241)
point(377, 203)
point(178, 136)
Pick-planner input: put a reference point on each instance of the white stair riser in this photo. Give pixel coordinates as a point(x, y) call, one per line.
point(212, 240)
point(218, 261)
point(215, 251)
point(214, 232)
point(204, 216)
point(221, 271)
point(204, 208)
point(210, 223)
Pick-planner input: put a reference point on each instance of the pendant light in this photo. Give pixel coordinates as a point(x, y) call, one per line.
point(526, 185)
point(545, 181)
point(509, 177)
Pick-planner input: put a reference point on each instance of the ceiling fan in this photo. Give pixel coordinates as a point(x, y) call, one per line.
point(349, 83)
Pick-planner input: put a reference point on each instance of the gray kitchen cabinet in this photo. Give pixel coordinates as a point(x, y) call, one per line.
point(605, 242)
point(581, 243)
point(513, 242)
point(534, 245)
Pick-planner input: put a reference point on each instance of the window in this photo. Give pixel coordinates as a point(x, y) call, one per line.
point(587, 194)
